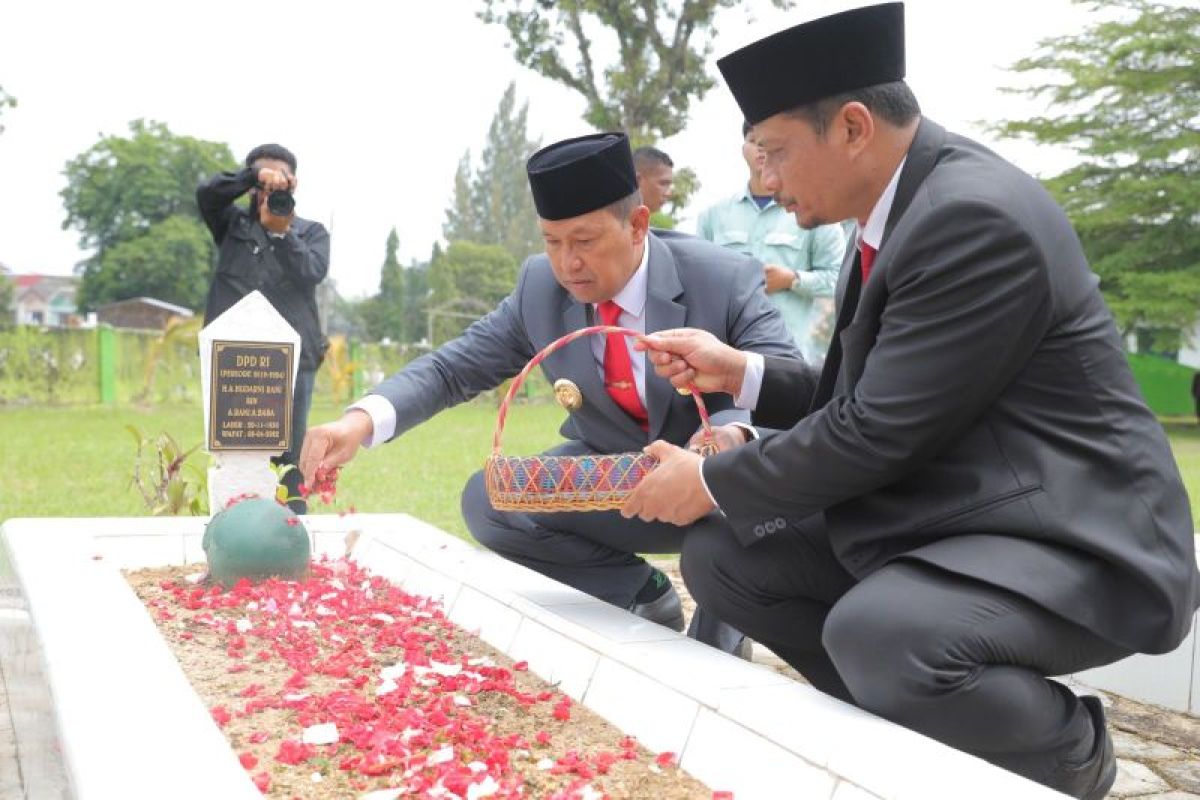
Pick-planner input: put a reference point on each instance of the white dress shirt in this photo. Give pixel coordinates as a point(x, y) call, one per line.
point(872, 232)
point(631, 299)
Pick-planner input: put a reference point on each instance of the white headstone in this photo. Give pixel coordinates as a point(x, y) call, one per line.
point(244, 430)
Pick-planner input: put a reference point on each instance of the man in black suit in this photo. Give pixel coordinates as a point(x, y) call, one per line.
point(972, 495)
point(267, 248)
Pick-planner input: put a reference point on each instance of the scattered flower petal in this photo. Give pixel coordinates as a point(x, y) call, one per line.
point(262, 780)
point(220, 715)
point(415, 725)
point(325, 733)
point(485, 788)
point(441, 756)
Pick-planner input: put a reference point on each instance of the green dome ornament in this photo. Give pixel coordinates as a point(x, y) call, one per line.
point(256, 538)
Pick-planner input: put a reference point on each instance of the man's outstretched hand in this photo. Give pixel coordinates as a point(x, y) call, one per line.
point(673, 491)
point(692, 356)
point(334, 443)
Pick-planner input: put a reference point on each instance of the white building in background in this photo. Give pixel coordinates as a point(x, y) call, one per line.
point(46, 300)
point(1189, 349)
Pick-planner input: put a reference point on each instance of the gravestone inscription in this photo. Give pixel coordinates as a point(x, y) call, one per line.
point(251, 396)
point(248, 361)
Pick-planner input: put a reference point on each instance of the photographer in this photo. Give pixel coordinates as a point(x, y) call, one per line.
point(266, 247)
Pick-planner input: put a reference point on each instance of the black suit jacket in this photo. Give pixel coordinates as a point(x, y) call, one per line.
point(286, 270)
point(977, 412)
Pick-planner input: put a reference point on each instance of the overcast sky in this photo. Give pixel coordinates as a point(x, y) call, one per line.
point(380, 100)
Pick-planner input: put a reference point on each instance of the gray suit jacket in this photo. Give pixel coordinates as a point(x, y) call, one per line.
point(977, 412)
point(691, 282)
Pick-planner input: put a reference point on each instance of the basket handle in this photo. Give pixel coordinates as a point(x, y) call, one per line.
point(708, 447)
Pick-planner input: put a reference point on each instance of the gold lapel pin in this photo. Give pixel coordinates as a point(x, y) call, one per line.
point(567, 394)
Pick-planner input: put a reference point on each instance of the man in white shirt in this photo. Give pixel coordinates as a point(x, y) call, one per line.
point(601, 266)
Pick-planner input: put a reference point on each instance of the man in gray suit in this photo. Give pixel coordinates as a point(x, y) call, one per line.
point(602, 265)
point(972, 494)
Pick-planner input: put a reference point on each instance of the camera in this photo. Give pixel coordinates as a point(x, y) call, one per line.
point(281, 203)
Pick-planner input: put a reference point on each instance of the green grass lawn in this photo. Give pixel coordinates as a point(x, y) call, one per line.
point(75, 462)
point(1185, 442)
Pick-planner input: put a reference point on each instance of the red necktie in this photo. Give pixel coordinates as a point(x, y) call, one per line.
point(618, 369)
point(867, 257)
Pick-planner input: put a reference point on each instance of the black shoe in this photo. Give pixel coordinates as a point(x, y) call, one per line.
point(665, 610)
point(1092, 779)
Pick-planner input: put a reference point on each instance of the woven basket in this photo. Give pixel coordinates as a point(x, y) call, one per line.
point(569, 483)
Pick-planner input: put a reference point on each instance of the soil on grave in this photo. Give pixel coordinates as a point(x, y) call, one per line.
point(203, 651)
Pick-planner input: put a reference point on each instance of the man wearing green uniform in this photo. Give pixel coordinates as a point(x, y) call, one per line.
point(801, 267)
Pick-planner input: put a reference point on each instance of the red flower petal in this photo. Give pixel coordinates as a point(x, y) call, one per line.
point(263, 781)
point(562, 709)
point(294, 752)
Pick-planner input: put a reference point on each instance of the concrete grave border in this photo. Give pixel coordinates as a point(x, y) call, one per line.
point(128, 725)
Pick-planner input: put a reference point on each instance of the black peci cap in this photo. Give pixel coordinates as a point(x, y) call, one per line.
point(575, 176)
point(817, 59)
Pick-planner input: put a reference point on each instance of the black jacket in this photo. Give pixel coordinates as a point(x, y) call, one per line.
point(286, 270)
point(977, 412)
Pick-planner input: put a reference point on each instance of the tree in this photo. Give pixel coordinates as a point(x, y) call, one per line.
point(659, 68)
point(122, 188)
point(391, 284)
point(416, 296)
point(462, 219)
point(168, 262)
point(347, 316)
point(6, 101)
point(661, 48)
point(397, 312)
point(7, 296)
point(494, 205)
point(1125, 96)
point(466, 281)
point(384, 313)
